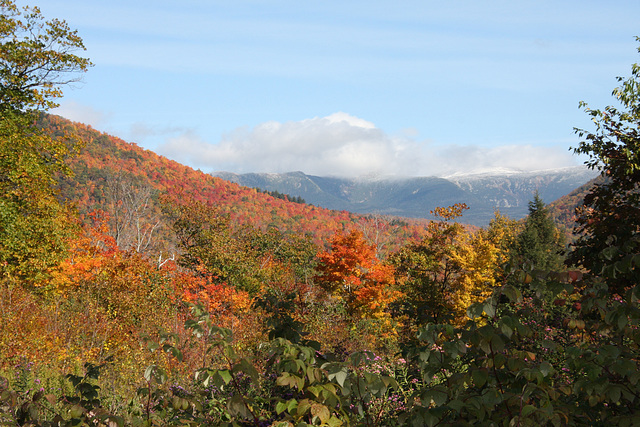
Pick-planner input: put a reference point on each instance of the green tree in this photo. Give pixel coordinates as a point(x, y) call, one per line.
point(242, 256)
point(36, 59)
point(527, 361)
point(209, 245)
point(609, 220)
point(33, 224)
point(539, 242)
point(426, 271)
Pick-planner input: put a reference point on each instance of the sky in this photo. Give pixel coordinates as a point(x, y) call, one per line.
point(349, 88)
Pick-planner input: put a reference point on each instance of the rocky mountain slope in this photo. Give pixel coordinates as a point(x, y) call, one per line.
point(509, 192)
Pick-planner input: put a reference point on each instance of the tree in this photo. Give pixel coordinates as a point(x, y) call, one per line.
point(351, 271)
point(477, 257)
point(539, 242)
point(133, 212)
point(210, 247)
point(36, 58)
point(241, 256)
point(523, 360)
point(426, 270)
point(34, 225)
point(609, 220)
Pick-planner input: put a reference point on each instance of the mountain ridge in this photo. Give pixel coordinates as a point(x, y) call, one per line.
point(415, 197)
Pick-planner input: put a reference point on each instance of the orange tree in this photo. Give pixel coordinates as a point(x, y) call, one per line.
point(351, 272)
point(117, 290)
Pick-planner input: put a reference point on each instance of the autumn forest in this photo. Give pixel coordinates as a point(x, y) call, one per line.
point(135, 291)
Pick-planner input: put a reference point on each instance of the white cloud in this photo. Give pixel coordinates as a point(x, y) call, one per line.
point(344, 145)
point(520, 157)
point(143, 133)
point(80, 113)
point(339, 144)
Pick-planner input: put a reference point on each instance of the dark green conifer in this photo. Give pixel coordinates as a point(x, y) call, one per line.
point(539, 243)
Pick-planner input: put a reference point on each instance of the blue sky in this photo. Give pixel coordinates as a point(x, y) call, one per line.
point(349, 87)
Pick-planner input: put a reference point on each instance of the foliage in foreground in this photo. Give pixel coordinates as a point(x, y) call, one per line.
point(565, 355)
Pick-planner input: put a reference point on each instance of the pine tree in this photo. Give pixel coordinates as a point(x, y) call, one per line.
point(539, 243)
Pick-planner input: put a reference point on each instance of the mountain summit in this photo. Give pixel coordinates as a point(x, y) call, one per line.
point(483, 191)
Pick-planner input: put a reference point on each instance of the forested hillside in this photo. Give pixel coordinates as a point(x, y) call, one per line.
point(136, 291)
point(123, 179)
point(108, 170)
point(563, 210)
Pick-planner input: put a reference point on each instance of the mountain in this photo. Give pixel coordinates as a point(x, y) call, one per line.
point(507, 191)
point(563, 209)
point(109, 173)
point(332, 202)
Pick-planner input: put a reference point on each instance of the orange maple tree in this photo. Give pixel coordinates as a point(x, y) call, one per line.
point(352, 272)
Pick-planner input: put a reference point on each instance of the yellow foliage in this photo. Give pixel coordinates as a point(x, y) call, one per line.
point(477, 258)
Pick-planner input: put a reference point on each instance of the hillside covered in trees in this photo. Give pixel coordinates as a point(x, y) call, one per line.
point(136, 291)
point(132, 185)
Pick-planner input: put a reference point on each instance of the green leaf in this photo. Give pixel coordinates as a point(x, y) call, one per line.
point(340, 376)
point(292, 406)
point(176, 353)
point(225, 375)
point(245, 366)
point(390, 382)
point(528, 410)
point(456, 405)
point(546, 368)
point(614, 393)
point(237, 406)
point(512, 293)
point(281, 407)
point(489, 308)
point(497, 344)
point(430, 419)
point(475, 310)
point(229, 352)
point(480, 377)
point(148, 373)
point(622, 321)
point(439, 396)
point(303, 407)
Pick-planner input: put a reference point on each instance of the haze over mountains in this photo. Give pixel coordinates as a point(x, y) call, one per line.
point(483, 192)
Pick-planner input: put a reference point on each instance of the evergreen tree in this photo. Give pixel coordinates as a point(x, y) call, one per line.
point(539, 242)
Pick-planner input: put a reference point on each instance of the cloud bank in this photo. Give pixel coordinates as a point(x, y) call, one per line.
point(348, 146)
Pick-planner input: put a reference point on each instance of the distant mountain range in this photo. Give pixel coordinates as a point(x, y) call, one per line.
point(507, 191)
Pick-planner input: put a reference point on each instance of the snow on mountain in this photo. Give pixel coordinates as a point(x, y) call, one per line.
point(484, 191)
